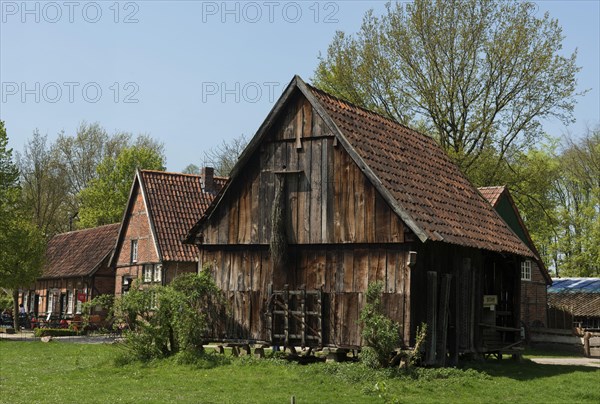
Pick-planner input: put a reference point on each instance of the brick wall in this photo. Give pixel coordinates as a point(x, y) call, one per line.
point(534, 298)
point(138, 228)
point(170, 271)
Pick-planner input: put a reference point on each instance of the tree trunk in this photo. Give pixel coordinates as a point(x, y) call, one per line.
point(16, 313)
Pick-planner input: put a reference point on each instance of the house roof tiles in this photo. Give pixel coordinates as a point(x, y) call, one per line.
point(175, 202)
point(420, 176)
point(492, 194)
point(79, 253)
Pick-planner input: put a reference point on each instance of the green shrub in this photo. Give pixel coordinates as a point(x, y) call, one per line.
point(165, 320)
point(106, 303)
point(54, 332)
point(380, 334)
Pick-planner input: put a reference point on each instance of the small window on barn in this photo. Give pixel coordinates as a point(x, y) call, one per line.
point(134, 250)
point(526, 270)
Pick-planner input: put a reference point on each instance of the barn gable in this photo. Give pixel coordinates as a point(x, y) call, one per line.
point(324, 188)
point(500, 198)
point(410, 173)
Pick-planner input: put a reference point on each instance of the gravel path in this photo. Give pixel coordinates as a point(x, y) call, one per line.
point(593, 362)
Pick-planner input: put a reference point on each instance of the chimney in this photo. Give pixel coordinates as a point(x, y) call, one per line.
point(208, 180)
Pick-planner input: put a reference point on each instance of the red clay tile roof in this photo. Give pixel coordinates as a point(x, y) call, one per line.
point(492, 194)
point(420, 176)
point(413, 174)
point(576, 303)
point(175, 202)
point(79, 253)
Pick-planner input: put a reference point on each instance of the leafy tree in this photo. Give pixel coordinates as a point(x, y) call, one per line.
point(104, 200)
point(478, 75)
point(80, 155)
point(21, 256)
point(21, 243)
point(54, 174)
point(44, 186)
point(578, 199)
point(224, 156)
point(9, 173)
point(191, 169)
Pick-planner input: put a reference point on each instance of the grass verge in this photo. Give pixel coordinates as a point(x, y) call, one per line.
point(32, 372)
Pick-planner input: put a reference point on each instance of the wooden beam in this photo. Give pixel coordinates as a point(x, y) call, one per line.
point(442, 329)
point(431, 317)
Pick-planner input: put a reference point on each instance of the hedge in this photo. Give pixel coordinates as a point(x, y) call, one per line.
point(54, 332)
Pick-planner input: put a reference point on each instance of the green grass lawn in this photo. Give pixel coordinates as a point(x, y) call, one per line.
point(32, 372)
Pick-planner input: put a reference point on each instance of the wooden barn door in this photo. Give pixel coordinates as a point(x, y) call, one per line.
point(295, 318)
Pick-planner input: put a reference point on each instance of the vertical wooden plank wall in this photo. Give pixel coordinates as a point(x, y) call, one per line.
point(342, 235)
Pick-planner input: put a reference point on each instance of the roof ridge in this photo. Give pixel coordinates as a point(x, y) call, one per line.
point(219, 177)
point(368, 111)
point(492, 186)
point(169, 173)
point(87, 229)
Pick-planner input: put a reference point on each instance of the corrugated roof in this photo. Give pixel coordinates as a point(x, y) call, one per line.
point(175, 202)
point(423, 180)
point(79, 253)
point(579, 296)
point(575, 285)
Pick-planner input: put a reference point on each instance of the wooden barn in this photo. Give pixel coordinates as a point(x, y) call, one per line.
point(329, 197)
point(534, 274)
point(76, 271)
point(161, 209)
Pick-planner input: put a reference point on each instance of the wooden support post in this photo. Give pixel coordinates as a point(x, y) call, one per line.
point(270, 315)
point(286, 320)
point(442, 324)
point(586, 344)
point(431, 317)
point(246, 349)
point(303, 322)
point(220, 349)
point(235, 351)
point(259, 352)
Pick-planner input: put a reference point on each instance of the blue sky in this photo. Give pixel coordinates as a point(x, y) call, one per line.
point(191, 73)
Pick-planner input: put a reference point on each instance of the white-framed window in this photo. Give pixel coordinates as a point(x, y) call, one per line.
point(147, 275)
point(152, 273)
point(126, 285)
point(69, 302)
point(134, 250)
point(526, 270)
point(26, 300)
point(50, 306)
point(32, 308)
point(78, 305)
point(157, 273)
